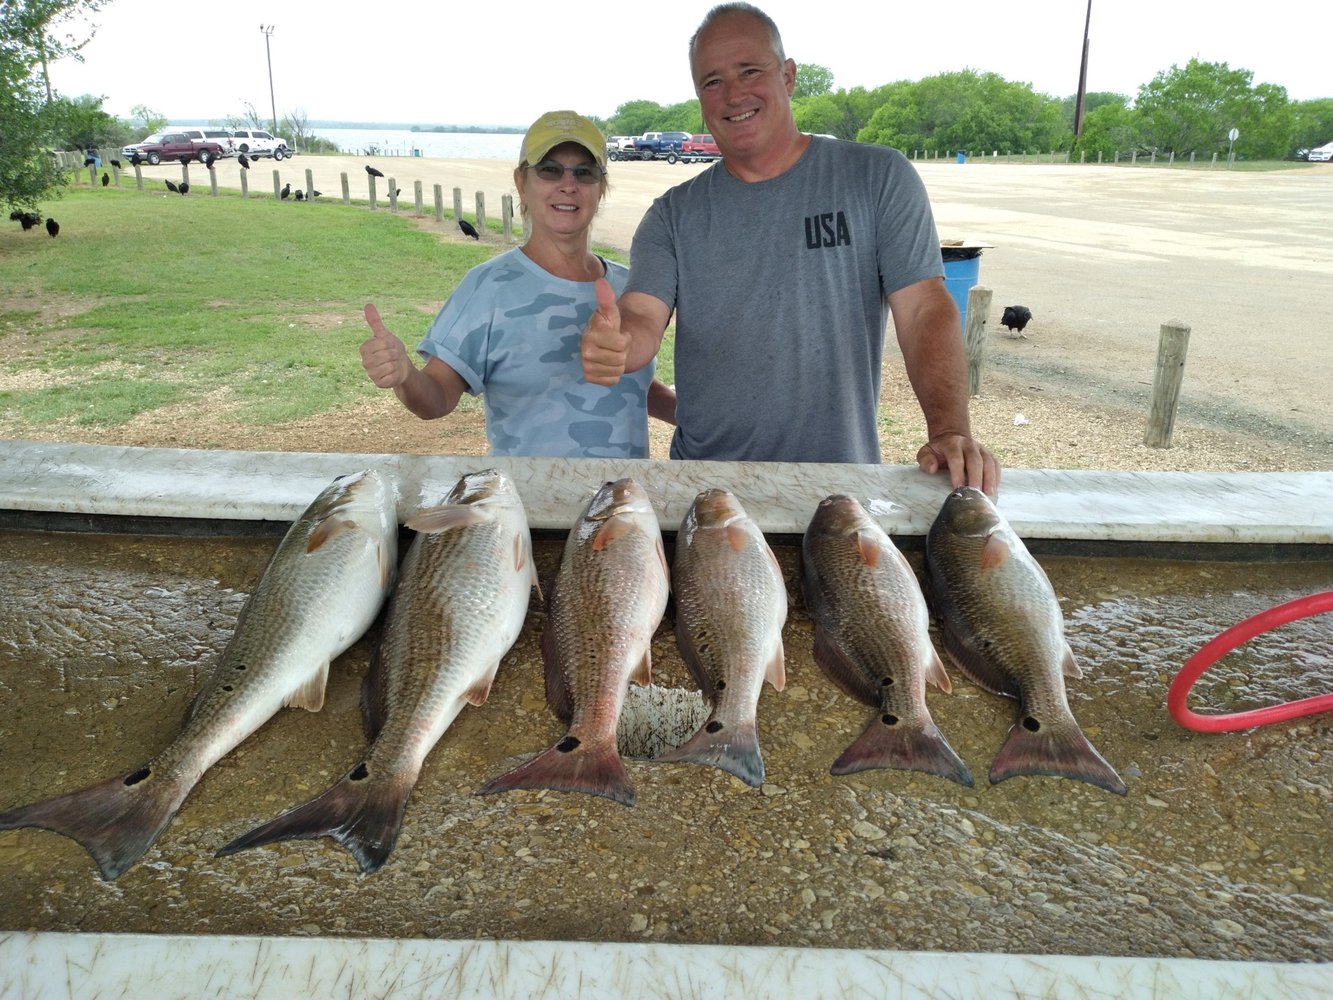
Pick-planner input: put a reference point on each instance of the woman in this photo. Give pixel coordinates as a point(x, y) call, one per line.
point(511, 329)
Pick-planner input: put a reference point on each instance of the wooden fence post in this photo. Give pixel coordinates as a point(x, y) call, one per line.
point(1172, 346)
point(458, 204)
point(370, 178)
point(309, 182)
point(393, 195)
point(277, 185)
point(439, 203)
point(213, 181)
point(416, 195)
point(481, 210)
point(507, 217)
point(245, 184)
point(347, 189)
point(974, 335)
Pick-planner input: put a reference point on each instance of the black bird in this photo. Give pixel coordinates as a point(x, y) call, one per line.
point(25, 219)
point(313, 194)
point(372, 171)
point(299, 195)
point(135, 159)
point(468, 229)
point(1015, 318)
point(286, 190)
point(186, 158)
point(106, 179)
point(185, 187)
point(52, 228)
point(173, 188)
point(116, 164)
point(245, 163)
point(89, 161)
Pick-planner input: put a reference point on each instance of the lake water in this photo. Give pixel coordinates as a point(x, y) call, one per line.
point(402, 142)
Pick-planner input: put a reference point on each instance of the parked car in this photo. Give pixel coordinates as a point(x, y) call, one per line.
point(221, 136)
point(1321, 154)
point(256, 142)
point(162, 146)
point(700, 147)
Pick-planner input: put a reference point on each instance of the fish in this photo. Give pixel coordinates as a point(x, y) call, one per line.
point(731, 605)
point(872, 640)
point(457, 608)
point(1001, 624)
point(321, 590)
point(608, 598)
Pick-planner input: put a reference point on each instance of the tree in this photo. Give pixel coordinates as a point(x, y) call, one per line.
point(46, 26)
point(81, 122)
point(843, 113)
point(153, 121)
point(1108, 129)
point(966, 111)
point(812, 80)
point(1191, 110)
point(1314, 123)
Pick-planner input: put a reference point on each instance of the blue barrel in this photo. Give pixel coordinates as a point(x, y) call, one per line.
point(959, 277)
point(962, 157)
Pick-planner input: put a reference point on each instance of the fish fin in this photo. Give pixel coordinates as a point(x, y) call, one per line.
point(869, 547)
point(363, 815)
point(888, 742)
point(737, 536)
point(688, 653)
point(776, 671)
point(1069, 665)
point(571, 766)
point(447, 517)
point(734, 750)
point(980, 669)
point(558, 697)
point(935, 673)
point(477, 694)
point(387, 567)
point(374, 696)
point(330, 527)
point(1059, 749)
point(995, 552)
point(612, 528)
point(839, 668)
point(642, 674)
point(310, 694)
point(116, 821)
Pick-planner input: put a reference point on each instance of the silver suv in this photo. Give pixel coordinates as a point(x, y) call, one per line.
point(219, 135)
point(256, 142)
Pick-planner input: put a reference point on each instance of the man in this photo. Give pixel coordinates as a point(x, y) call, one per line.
point(778, 262)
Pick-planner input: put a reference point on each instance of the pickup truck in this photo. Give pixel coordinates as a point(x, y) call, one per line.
point(171, 146)
point(700, 148)
point(255, 142)
point(652, 146)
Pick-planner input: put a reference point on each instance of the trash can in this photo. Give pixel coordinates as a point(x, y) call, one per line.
point(962, 269)
point(416, 152)
point(962, 157)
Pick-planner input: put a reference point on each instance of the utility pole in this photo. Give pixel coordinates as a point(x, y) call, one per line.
point(1082, 79)
point(267, 29)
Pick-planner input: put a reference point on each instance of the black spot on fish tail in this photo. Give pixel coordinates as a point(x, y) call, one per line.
point(1056, 748)
point(568, 744)
point(731, 749)
point(116, 821)
point(889, 720)
point(364, 817)
point(572, 765)
point(720, 686)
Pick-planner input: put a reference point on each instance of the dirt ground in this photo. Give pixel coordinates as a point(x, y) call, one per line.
point(1102, 255)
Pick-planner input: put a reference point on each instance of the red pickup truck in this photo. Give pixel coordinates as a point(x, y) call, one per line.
point(172, 146)
point(700, 147)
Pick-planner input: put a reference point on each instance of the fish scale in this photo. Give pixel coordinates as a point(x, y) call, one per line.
point(872, 639)
point(731, 603)
point(607, 601)
point(1001, 623)
point(321, 590)
point(459, 605)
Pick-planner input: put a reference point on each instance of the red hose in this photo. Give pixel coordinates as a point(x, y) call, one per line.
point(1215, 649)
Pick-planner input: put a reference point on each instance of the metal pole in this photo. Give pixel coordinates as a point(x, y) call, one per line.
point(267, 29)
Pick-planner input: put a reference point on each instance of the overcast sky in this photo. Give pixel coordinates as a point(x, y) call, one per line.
point(504, 63)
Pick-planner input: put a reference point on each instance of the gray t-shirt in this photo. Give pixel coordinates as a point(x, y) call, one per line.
point(780, 293)
point(512, 331)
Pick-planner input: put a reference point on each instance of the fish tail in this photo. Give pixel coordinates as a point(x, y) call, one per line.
point(116, 821)
point(1060, 750)
point(889, 742)
point(363, 815)
point(571, 766)
point(734, 749)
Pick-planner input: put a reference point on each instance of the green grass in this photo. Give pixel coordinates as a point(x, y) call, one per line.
point(185, 296)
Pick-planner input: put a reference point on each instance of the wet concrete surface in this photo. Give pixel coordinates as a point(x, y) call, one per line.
point(1220, 850)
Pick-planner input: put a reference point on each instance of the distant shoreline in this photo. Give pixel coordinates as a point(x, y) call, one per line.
point(399, 126)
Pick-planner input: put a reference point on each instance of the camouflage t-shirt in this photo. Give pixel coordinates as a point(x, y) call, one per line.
point(512, 331)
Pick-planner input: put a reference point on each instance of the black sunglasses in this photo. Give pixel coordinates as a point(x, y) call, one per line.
point(550, 170)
